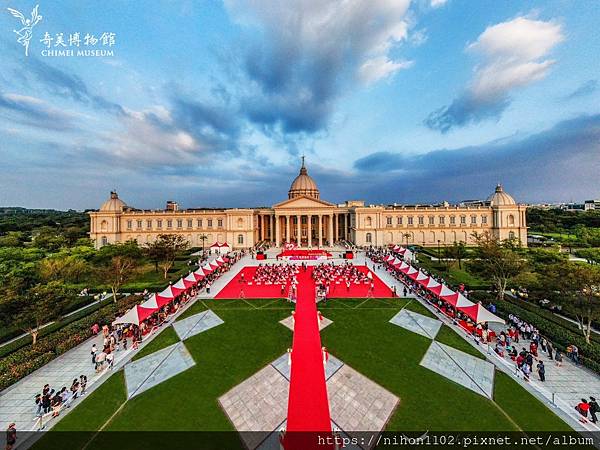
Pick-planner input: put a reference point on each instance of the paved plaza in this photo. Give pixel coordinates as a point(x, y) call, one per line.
point(196, 324)
point(468, 371)
point(417, 323)
point(157, 367)
point(260, 402)
point(288, 323)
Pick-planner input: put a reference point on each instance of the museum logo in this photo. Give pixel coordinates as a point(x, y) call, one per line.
point(71, 43)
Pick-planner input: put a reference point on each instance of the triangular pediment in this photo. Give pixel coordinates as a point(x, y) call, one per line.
point(303, 201)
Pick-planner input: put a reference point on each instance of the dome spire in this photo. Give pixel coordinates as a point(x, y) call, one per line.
point(303, 184)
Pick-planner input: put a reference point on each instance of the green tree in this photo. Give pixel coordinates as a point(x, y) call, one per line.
point(591, 255)
point(578, 286)
point(116, 272)
point(164, 250)
point(40, 305)
point(497, 260)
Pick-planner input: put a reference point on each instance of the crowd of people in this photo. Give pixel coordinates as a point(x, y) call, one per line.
point(329, 275)
point(51, 401)
point(268, 274)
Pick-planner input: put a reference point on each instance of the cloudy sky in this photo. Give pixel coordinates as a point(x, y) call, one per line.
point(211, 102)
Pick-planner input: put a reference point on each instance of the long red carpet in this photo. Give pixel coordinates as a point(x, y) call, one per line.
point(338, 289)
point(308, 405)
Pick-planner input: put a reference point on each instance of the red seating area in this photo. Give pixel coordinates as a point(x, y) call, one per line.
point(337, 289)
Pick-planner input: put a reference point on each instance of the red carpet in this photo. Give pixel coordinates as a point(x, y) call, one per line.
point(253, 290)
point(250, 288)
point(308, 405)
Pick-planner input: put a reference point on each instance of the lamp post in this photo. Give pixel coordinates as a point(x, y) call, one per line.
point(439, 254)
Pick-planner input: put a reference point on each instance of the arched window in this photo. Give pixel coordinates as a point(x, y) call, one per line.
point(369, 221)
point(104, 240)
point(511, 220)
point(369, 236)
point(511, 235)
point(240, 238)
point(240, 223)
point(104, 225)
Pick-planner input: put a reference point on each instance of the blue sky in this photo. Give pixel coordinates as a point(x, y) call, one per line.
point(211, 103)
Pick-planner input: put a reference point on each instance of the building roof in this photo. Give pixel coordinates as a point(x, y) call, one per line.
point(501, 198)
point(303, 184)
point(113, 204)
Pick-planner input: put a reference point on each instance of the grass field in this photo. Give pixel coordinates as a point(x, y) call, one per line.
point(251, 337)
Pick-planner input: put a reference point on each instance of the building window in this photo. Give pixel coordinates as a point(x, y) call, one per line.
point(240, 223)
point(104, 240)
point(148, 224)
point(179, 223)
point(139, 224)
point(389, 221)
point(511, 235)
point(399, 220)
point(369, 221)
point(474, 220)
point(209, 223)
point(463, 220)
point(452, 220)
point(369, 238)
point(199, 223)
point(511, 220)
point(220, 223)
point(169, 223)
point(442, 220)
point(240, 238)
point(190, 223)
point(129, 224)
point(421, 220)
point(431, 220)
point(410, 220)
point(159, 224)
point(484, 219)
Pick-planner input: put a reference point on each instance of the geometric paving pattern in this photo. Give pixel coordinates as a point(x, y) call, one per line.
point(287, 322)
point(357, 403)
point(259, 403)
point(282, 366)
point(157, 367)
point(417, 323)
point(196, 324)
point(473, 373)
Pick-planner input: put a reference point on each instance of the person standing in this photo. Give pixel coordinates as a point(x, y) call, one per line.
point(550, 350)
point(11, 436)
point(594, 408)
point(94, 352)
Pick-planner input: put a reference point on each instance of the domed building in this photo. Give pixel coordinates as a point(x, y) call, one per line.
point(113, 204)
point(303, 184)
point(306, 220)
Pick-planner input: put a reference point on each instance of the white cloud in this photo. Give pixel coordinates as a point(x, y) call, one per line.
point(438, 3)
point(381, 67)
point(513, 56)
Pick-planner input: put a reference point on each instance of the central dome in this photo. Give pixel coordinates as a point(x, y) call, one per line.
point(303, 184)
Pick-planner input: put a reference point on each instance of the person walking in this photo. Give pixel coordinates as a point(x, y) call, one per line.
point(541, 371)
point(11, 436)
point(550, 350)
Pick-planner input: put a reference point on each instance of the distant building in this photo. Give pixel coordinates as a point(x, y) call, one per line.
point(591, 205)
point(309, 221)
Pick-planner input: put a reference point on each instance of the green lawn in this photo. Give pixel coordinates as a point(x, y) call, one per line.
point(360, 335)
point(449, 337)
point(166, 337)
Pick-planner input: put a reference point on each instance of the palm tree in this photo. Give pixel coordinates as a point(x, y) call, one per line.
point(406, 236)
point(203, 238)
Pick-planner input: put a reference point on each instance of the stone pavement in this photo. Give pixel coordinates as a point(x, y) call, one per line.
point(17, 402)
point(417, 323)
point(287, 322)
point(281, 364)
point(473, 373)
point(196, 324)
point(157, 367)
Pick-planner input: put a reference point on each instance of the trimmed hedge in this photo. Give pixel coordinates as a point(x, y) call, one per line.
point(26, 360)
point(560, 336)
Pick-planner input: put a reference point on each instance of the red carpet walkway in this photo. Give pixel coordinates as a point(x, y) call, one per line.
point(308, 406)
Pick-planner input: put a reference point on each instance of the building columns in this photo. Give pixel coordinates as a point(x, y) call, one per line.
point(287, 229)
point(277, 230)
point(299, 230)
point(309, 231)
point(330, 229)
point(320, 230)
